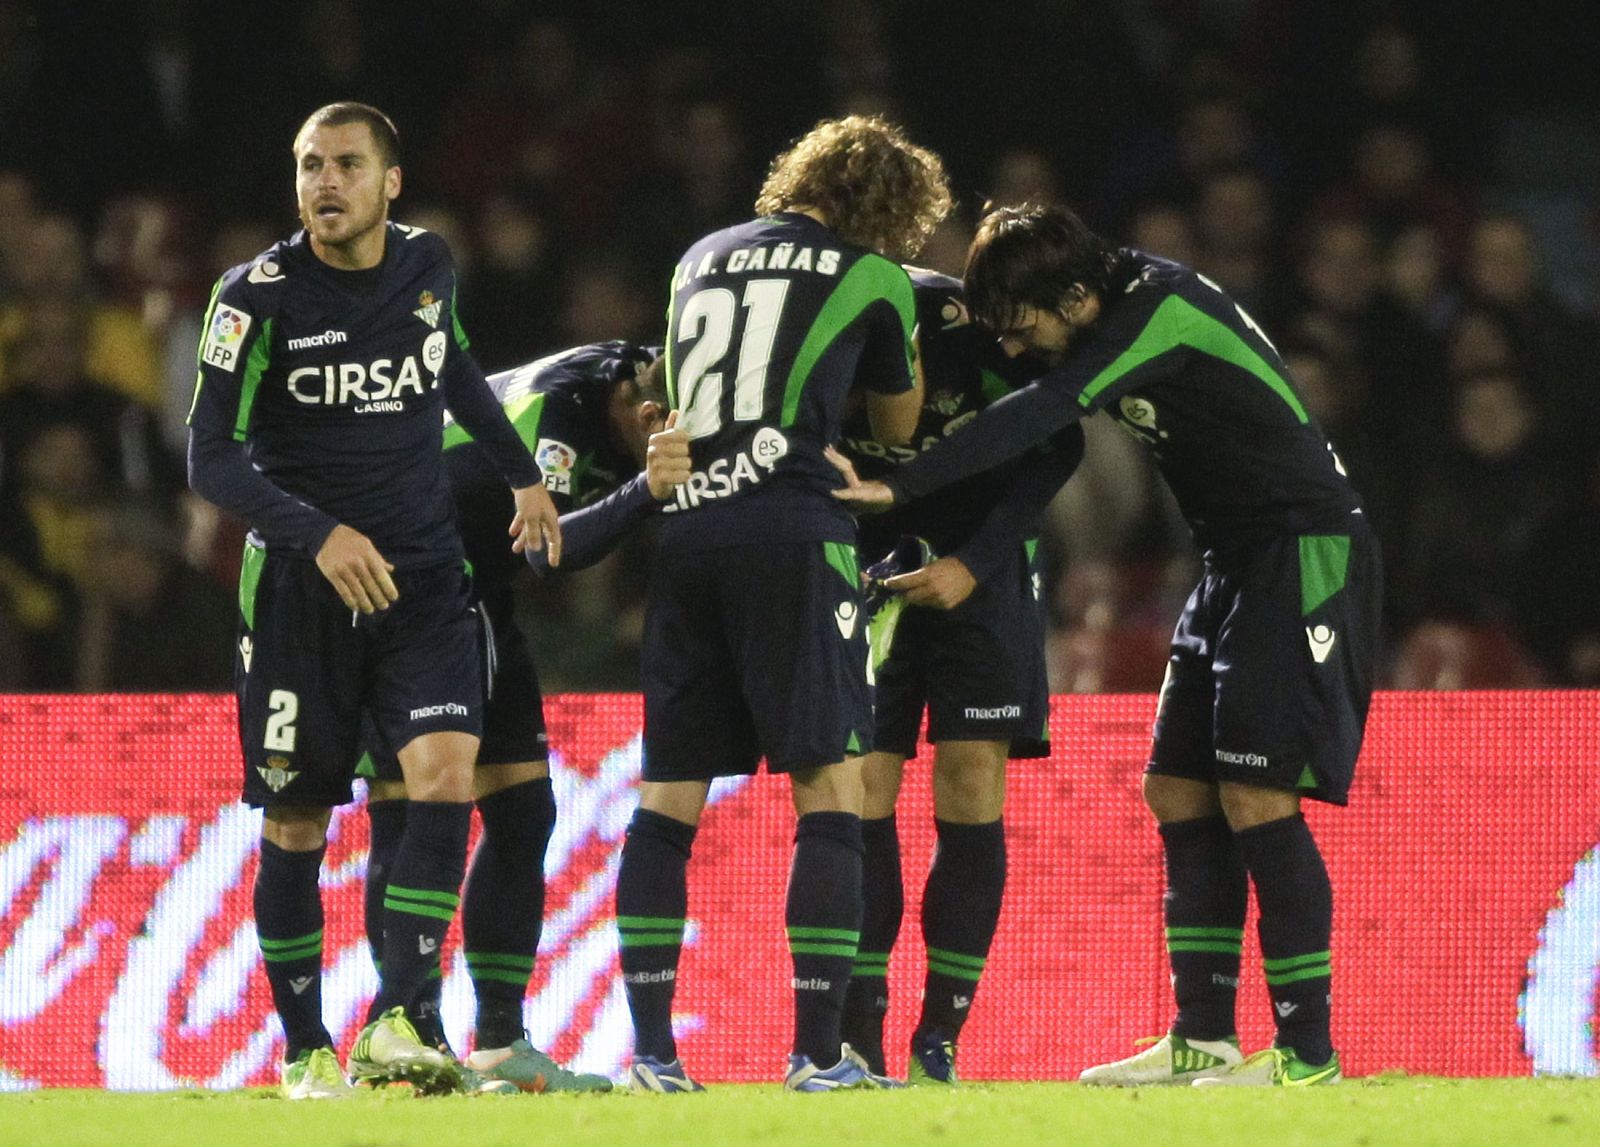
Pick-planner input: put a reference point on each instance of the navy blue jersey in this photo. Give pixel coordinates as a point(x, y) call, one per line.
point(321, 396)
point(963, 371)
point(559, 406)
point(772, 324)
point(1180, 366)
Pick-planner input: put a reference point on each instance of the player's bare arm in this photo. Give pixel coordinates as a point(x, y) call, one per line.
point(894, 417)
point(353, 565)
point(536, 525)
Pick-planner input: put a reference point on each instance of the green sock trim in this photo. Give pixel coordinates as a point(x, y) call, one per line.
point(1320, 971)
point(520, 979)
point(512, 960)
point(425, 895)
point(1290, 962)
point(654, 923)
point(419, 909)
point(946, 956)
point(288, 954)
point(293, 942)
point(842, 934)
point(848, 951)
point(1221, 946)
point(954, 971)
point(1206, 934)
point(650, 940)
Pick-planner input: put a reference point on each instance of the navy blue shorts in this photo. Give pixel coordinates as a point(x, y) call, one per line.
point(754, 651)
point(310, 668)
point(979, 669)
point(513, 710)
point(1271, 668)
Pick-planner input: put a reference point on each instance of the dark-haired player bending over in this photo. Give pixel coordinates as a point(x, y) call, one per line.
point(592, 417)
point(969, 648)
point(1270, 671)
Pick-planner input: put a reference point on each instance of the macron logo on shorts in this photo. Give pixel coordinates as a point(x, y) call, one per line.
point(999, 713)
point(448, 709)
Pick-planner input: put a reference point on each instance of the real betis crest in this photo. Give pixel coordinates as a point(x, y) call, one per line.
point(277, 773)
point(429, 308)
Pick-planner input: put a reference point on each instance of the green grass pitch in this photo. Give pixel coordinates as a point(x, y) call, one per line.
point(1386, 1110)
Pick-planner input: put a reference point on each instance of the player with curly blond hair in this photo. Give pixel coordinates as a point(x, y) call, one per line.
point(874, 187)
point(755, 634)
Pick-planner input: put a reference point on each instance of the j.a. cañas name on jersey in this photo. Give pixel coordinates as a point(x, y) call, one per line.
point(375, 387)
point(779, 257)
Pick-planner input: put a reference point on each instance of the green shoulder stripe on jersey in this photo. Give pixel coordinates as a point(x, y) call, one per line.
point(1179, 323)
point(994, 387)
point(249, 579)
point(455, 320)
point(872, 278)
point(199, 375)
point(842, 557)
point(524, 414)
point(254, 367)
point(1324, 565)
point(671, 355)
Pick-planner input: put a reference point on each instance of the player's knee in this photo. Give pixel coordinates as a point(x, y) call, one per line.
point(880, 784)
point(491, 779)
point(830, 788)
point(1172, 799)
point(296, 828)
point(969, 781)
point(1247, 806)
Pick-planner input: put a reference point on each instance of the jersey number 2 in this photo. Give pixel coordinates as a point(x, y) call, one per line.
point(708, 321)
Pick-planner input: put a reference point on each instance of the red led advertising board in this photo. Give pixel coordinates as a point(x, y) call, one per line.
point(1465, 871)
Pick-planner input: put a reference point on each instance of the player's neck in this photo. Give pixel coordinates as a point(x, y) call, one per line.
point(809, 212)
point(357, 253)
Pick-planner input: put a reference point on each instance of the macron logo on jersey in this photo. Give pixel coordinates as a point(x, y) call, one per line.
point(224, 337)
point(326, 338)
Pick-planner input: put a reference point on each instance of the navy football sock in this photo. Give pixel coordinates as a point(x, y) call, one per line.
point(866, 1001)
point(418, 905)
point(1296, 927)
point(960, 911)
point(502, 905)
point(1204, 908)
point(652, 906)
point(386, 822)
point(288, 908)
point(823, 915)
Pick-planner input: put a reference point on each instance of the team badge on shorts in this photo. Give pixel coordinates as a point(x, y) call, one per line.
point(277, 773)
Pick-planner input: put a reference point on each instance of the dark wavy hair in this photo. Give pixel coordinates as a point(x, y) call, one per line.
point(1030, 256)
point(876, 188)
point(384, 134)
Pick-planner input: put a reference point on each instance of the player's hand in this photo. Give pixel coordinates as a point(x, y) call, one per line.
point(941, 584)
point(537, 525)
point(846, 468)
point(866, 497)
point(350, 561)
point(667, 464)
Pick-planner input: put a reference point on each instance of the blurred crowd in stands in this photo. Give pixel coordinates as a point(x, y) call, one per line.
point(1407, 211)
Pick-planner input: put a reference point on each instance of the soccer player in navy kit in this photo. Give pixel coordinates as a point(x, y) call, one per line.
point(325, 368)
point(1270, 671)
point(968, 648)
point(593, 417)
point(754, 642)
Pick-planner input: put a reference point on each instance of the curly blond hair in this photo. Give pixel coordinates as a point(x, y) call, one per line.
point(875, 187)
